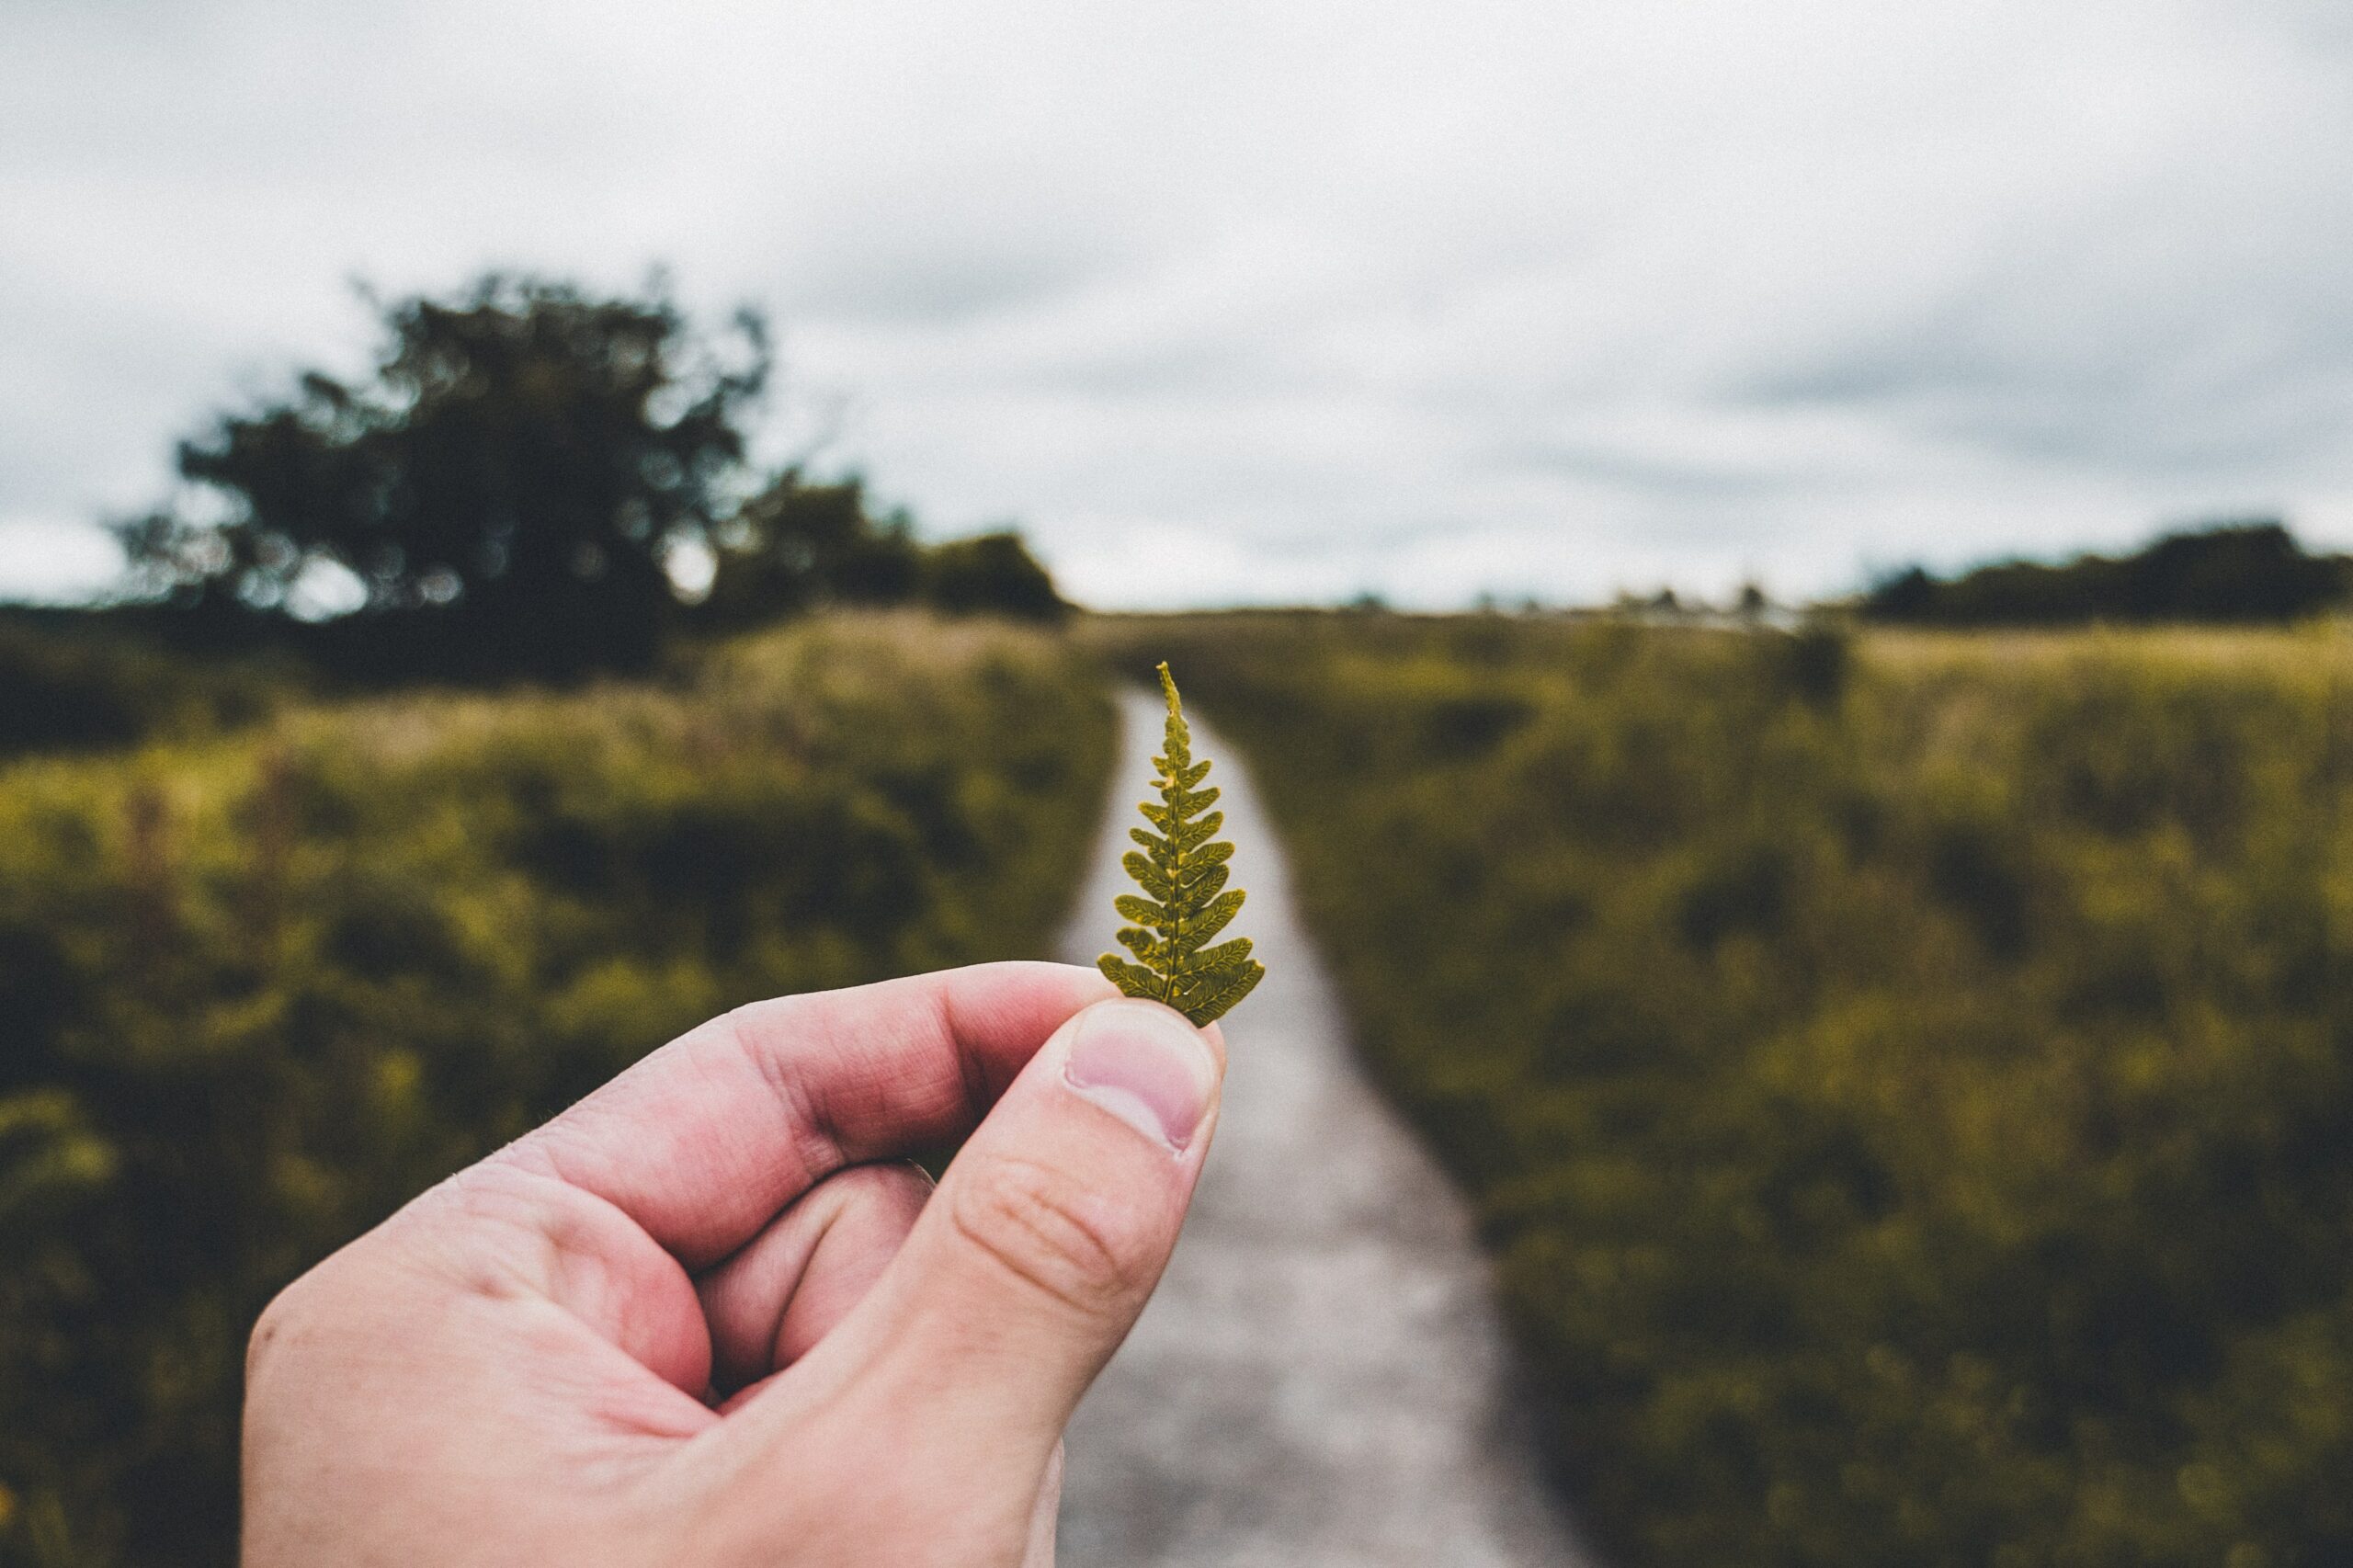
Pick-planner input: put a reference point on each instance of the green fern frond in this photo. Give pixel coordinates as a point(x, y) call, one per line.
point(1186, 901)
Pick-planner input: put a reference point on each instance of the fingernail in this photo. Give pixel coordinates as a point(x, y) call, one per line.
point(1145, 1065)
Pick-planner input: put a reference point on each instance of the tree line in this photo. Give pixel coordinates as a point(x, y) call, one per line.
point(2245, 571)
point(519, 486)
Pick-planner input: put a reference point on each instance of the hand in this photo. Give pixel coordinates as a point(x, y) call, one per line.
point(703, 1318)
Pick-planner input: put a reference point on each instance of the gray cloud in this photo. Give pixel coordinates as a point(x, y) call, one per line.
point(1227, 298)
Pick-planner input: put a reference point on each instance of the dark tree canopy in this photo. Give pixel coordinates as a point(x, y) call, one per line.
point(510, 480)
point(2252, 571)
point(506, 492)
point(801, 542)
point(992, 573)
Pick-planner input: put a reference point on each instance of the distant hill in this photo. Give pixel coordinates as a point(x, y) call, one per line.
point(2239, 571)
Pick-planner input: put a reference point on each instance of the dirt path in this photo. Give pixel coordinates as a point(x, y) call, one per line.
point(1320, 1379)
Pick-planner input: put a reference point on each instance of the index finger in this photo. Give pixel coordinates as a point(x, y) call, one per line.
point(703, 1141)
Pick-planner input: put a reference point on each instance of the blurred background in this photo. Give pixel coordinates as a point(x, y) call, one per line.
point(1779, 567)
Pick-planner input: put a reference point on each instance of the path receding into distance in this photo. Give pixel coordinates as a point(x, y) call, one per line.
point(1320, 1381)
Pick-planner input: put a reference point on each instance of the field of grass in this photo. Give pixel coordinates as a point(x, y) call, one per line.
point(1907, 1081)
point(257, 991)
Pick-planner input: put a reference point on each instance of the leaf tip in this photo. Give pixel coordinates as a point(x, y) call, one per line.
point(1133, 980)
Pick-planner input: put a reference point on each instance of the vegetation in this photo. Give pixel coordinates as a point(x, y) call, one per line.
point(2232, 572)
point(257, 991)
point(992, 573)
point(515, 489)
point(1183, 872)
point(801, 542)
point(515, 473)
point(71, 680)
point(1906, 1080)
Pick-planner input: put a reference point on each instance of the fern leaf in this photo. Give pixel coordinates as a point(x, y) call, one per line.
point(1207, 884)
point(1219, 998)
point(1142, 911)
point(1191, 836)
point(1148, 877)
point(1213, 917)
point(1186, 903)
point(1131, 978)
point(1207, 858)
point(1213, 961)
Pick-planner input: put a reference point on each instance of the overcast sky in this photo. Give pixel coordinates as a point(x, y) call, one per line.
point(1234, 300)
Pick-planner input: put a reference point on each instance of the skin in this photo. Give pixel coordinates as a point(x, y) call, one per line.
point(710, 1316)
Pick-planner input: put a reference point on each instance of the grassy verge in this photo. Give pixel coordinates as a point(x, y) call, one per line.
point(254, 993)
point(1907, 1082)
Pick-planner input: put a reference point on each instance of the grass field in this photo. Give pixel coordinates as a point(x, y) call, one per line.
point(1907, 1081)
point(257, 991)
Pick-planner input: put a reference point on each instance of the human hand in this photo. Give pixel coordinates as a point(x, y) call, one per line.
point(701, 1318)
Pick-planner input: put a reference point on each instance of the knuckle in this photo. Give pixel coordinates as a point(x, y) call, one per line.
point(1048, 1230)
point(866, 1192)
point(895, 1181)
point(280, 1323)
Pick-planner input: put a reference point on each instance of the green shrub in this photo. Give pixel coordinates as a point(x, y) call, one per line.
point(67, 687)
point(990, 574)
point(1908, 1090)
point(255, 993)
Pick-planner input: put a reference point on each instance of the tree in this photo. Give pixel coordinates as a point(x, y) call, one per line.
point(2245, 571)
point(800, 542)
point(990, 575)
point(505, 487)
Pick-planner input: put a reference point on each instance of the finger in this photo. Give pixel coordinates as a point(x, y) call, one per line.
point(705, 1140)
point(1046, 1515)
point(1030, 1265)
point(768, 1305)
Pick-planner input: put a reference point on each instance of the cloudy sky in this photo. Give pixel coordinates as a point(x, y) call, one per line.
point(1235, 300)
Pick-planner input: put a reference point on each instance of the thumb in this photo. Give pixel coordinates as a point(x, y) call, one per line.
point(1052, 1225)
point(1049, 1231)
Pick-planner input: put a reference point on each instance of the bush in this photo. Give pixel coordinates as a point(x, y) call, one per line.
point(1914, 1128)
point(71, 681)
point(990, 575)
point(256, 993)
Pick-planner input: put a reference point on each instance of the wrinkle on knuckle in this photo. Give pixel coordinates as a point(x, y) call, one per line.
point(1043, 1227)
point(774, 1037)
point(274, 1327)
point(497, 1229)
point(501, 1191)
